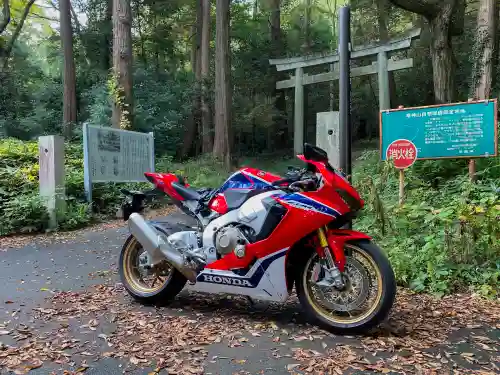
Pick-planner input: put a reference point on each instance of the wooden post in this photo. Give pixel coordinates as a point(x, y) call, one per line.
point(401, 179)
point(472, 170)
point(384, 98)
point(401, 186)
point(472, 162)
point(298, 121)
point(51, 175)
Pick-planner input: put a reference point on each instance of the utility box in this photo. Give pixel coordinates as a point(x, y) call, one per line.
point(328, 135)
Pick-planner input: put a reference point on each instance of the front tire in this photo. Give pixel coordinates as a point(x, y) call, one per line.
point(166, 282)
point(371, 295)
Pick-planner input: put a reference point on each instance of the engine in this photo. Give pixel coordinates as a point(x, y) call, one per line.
point(230, 239)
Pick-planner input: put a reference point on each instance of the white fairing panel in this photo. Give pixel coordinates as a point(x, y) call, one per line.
point(265, 280)
point(252, 213)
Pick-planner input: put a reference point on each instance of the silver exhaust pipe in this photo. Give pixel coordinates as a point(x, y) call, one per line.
point(157, 247)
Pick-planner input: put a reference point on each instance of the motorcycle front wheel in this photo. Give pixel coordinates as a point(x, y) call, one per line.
point(366, 299)
point(157, 285)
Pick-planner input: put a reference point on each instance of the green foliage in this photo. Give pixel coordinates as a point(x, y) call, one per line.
point(444, 237)
point(23, 214)
point(22, 210)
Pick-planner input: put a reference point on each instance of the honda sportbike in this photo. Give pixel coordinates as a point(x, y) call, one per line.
point(260, 235)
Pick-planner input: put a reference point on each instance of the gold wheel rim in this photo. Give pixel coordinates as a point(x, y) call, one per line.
point(330, 315)
point(132, 274)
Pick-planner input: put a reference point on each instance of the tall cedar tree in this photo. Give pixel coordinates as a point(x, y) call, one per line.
point(484, 49)
point(445, 19)
point(189, 146)
point(122, 65)
point(206, 117)
point(69, 80)
point(222, 138)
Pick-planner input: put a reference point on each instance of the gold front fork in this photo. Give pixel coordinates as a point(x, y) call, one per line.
point(326, 249)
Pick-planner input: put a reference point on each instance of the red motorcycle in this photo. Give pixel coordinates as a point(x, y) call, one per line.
point(260, 235)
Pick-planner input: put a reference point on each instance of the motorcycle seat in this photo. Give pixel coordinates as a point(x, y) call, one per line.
point(187, 193)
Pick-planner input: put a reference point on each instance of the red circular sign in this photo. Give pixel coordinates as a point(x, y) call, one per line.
point(402, 152)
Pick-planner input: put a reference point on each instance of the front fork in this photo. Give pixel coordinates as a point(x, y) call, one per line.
point(332, 268)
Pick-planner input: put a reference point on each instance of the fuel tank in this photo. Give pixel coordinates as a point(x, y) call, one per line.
point(239, 187)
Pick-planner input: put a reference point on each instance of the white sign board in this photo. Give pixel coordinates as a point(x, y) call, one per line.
point(115, 155)
point(328, 135)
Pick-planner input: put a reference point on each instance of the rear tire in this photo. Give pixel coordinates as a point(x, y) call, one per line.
point(337, 321)
point(162, 293)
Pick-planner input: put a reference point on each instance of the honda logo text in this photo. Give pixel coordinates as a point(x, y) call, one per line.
point(226, 280)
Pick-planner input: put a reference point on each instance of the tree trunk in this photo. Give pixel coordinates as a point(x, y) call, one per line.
point(382, 15)
point(6, 16)
point(443, 67)
point(8, 49)
point(206, 120)
point(484, 50)
point(189, 142)
point(440, 16)
point(222, 138)
point(69, 81)
point(122, 65)
point(107, 37)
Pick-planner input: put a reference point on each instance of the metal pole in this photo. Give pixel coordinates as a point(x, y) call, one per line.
point(345, 89)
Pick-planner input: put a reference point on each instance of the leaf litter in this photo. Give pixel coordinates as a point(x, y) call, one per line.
point(177, 338)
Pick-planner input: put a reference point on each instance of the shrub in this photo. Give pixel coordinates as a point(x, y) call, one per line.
point(443, 238)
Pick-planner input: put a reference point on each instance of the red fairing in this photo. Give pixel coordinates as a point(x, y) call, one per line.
point(299, 222)
point(163, 181)
point(333, 180)
point(294, 226)
point(218, 204)
point(337, 239)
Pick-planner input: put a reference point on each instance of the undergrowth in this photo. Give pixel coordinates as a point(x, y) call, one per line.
point(444, 238)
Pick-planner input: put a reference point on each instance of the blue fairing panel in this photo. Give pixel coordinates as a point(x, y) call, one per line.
point(301, 201)
point(242, 181)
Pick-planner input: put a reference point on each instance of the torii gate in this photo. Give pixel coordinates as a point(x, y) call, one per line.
point(381, 67)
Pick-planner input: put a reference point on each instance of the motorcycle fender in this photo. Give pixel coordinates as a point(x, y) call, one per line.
point(336, 240)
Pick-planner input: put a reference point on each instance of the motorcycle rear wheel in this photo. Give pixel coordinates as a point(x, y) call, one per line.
point(336, 315)
point(166, 284)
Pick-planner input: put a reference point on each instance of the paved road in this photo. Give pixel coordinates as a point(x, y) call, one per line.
point(268, 339)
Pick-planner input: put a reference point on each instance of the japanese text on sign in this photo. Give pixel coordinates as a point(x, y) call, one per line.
point(402, 152)
point(115, 155)
point(455, 130)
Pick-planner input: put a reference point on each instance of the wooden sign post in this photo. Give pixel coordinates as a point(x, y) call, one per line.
point(403, 153)
point(51, 175)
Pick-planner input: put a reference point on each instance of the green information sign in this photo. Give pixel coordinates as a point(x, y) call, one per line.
point(461, 130)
